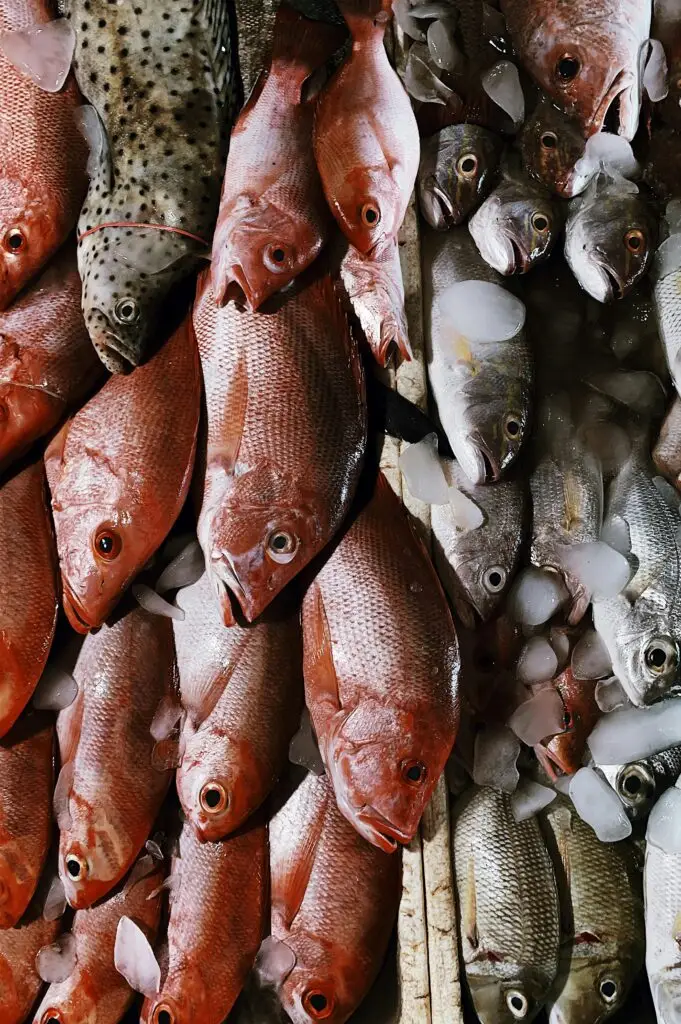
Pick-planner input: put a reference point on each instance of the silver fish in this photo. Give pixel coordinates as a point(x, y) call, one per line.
point(482, 390)
point(163, 84)
point(602, 941)
point(667, 274)
point(476, 566)
point(639, 783)
point(508, 908)
point(662, 897)
point(457, 171)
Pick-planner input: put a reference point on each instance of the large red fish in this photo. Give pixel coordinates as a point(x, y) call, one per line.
point(273, 217)
point(217, 920)
point(119, 472)
point(366, 139)
point(28, 610)
point(20, 983)
point(26, 767)
point(381, 664)
point(42, 175)
point(110, 789)
point(242, 689)
point(47, 363)
point(565, 751)
point(334, 904)
point(286, 435)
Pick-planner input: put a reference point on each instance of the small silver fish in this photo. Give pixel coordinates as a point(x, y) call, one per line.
point(457, 171)
point(639, 783)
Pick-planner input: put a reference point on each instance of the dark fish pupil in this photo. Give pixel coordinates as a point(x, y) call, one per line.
point(568, 68)
point(15, 240)
point(608, 988)
point(548, 141)
point(370, 215)
point(73, 868)
point(632, 784)
point(495, 579)
point(516, 1002)
point(468, 165)
point(164, 1017)
point(212, 797)
point(106, 545)
point(279, 542)
point(278, 255)
point(657, 657)
point(512, 427)
point(414, 773)
point(318, 1002)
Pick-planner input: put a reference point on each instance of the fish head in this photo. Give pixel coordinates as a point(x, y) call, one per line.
point(181, 1001)
point(483, 576)
point(265, 249)
point(516, 227)
point(74, 1001)
point(267, 527)
point(566, 749)
point(29, 233)
point(457, 171)
point(496, 427)
point(369, 206)
point(26, 413)
point(645, 655)
point(505, 995)
point(551, 144)
point(593, 989)
point(384, 763)
point(101, 550)
point(321, 982)
point(219, 783)
point(610, 240)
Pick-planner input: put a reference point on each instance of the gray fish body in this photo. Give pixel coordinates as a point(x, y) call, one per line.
point(602, 926)
point(508, 908)
point(483, 391)
point(457, 171)
point(162, 80)
point(668, 309)
point(640, 783)
point(641, 627)
point(662, 897)
point(476, 566)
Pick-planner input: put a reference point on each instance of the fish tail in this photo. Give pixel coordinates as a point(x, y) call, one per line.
point(302, 45)
point(366, 18)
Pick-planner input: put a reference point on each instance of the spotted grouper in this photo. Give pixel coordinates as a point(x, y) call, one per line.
point(163, 86)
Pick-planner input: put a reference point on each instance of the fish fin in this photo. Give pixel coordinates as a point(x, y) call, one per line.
point(134, 958)
point(321, 681)
point(41, 52)
point(69, 724)
point(54, 455)
point(301, 45)
point(294, 867)
point(468, 907)
point(62, 796)
point(203, 701)
point(235, 406)
point(99, 164)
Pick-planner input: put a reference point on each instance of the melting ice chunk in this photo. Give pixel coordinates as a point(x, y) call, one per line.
point(606, 150)
point(603, 571)
point(482, 311)
point(494, 761)
point(466, 515)
point(537, 662)
point(186, 568)
point(420, 79)
point(630, 734)
point(56, 962)
point(610, 695)
point(664, 823)
point(598, 805)
point(590, 658)
point(41, 52)
point(442, 45)
point(402, 10)
point(560, 642)
point(655, 75)
point(617, 534)
point(56, 690)
point(543, 715)
point(55, 901)
point(536, 595)
point(502, 85)
point(530, 798)
point(668, 257)
point(422, 469)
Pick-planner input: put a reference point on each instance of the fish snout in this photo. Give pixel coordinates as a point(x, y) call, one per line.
point(231, 283)
point(118, 355)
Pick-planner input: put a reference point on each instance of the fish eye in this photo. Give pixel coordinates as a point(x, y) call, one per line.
point(276, 257)
point(163, 1015)
point(635, 240)
point(660, 655)
point(567, 68)
point(282, 546)
point(512, 427)
point(213, 798)
point(76, 867)
point(549, 140)
point(15, 240)
point(317, 1004)
point(52, 1016)
point(107, 544)
point(414, 772)
point(494, 579)
point(370, 214)
point(609, 990)
point(540, 222)
point(517, 1003)
point(467, 165)
point(635, 785)
point(126, 311)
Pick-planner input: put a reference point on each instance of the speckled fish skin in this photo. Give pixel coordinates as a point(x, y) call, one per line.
point(26, 767)
point(564, 752)
point(602, 927)
point(508, 908)
point(20, 984)
point(646, 617)
point(456, 173)
point(43, 160)
point(95, 991)
point(366, 140)
point(517, 226)
point(551, 143)
point(273, 217)
point(566, 485)
point(47, 364)
point(640, 783)
point(375, 289)
point(166, 110)
point(610, 239)
point(586, 57)
point(28, 611)
point(476, 566)
point(662, 899)
point(334, 904)
point(482, 391)
point(113, 790)
point(381, 664)
point(242, 690)
point(218, 917)
point(119, 472)
point(286, 433)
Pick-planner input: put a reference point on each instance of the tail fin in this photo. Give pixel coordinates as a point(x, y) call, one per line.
point(366, 17)
point(301, 45)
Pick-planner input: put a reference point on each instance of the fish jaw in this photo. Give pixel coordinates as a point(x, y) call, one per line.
point(622, 89)
point(580, 999)
point(117, 355)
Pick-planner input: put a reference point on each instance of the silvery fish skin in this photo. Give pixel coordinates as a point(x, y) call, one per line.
point(551, 143)
point(508, 908)
point(662, 897)
point(517, 226)
point(610, 238)
point(566, 485)
point(639, 783)
point(457, 171)
point(602, 928)
point(476, 566)
point(668, 310)
point(641, 627)
point(162, 80)
point(482, 391)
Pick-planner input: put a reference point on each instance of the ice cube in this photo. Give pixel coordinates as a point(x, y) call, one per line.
point(56, 690)
point(540, 716)
point(537, 661)
point(598, 805)
point(482, 311)
point(535, 596)
point(610, 695)
point(590, 658)
point(442, 44)
point(602, 571)
point(617, 534)
point(494, 763)
point(664, 823)
point(56, 962)
point(530, 798)
point(466, 515)
point(422, 469)
point(630, 734)
point(502, 85)
point(655, 73)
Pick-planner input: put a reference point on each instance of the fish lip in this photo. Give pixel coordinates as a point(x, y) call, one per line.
point(491, 469)
point(614, 287)
point(124, 356)
point(448, 213)
point(226, 574)
point(521, 261)
point(384, 834)
point(615, 90)
point(236, 285)
point(75, 612)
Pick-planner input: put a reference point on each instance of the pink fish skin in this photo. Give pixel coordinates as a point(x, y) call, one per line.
point(242, 689)
point(20, 983)
point(381, 665)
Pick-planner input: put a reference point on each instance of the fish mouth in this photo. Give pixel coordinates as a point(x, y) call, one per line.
point(116, 354)
point(519, 262)
point(613, 286)
point(610, 108)
point(447, 213)
point(75, 612)
point(236, 287)
point(379, 830)
point(488, 467)
point(231, 591)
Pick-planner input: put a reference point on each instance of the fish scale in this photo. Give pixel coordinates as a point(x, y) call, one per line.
point(662, 894)
point(162, 79)
point(668, 308)
point(20, 984)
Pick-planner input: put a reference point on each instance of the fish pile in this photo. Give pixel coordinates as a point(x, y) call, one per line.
point(237, 672)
